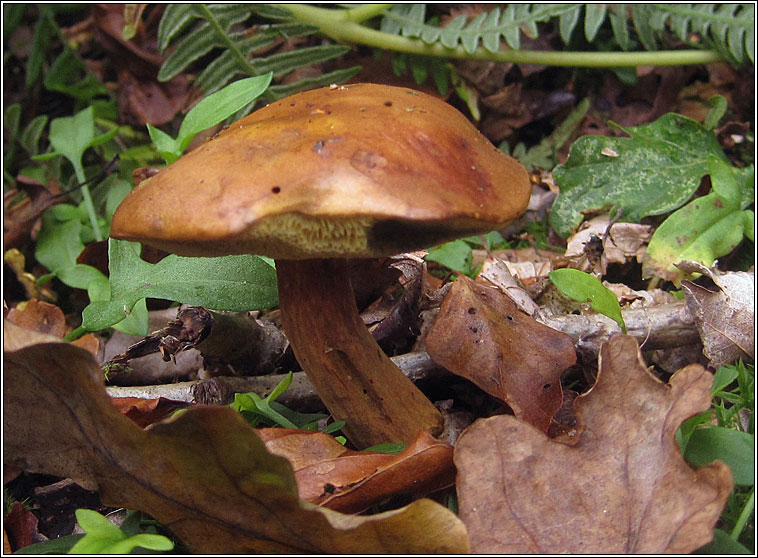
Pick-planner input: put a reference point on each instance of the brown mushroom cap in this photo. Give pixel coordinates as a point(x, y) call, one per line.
point(360, 170)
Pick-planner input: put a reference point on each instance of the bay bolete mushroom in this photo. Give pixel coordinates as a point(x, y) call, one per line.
point(356, 171)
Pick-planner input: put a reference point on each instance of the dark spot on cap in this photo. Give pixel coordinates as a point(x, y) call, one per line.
point(276, 189)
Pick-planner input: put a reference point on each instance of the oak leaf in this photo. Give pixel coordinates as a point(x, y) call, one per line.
point(351, 481)
point(204, 474)
point(480, 334)
point(623, 488)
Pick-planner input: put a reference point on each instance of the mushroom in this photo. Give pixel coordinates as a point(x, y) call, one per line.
point(355, 171)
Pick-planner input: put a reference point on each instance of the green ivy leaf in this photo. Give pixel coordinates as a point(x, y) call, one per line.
point(235, 283)
point(584, 287)
point(652, 172)
point(705, 229)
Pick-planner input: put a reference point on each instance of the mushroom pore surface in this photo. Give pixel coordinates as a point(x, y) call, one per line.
point(360, 170)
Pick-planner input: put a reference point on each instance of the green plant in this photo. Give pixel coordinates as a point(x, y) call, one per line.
point(708, 227)
point(266, 410)
point(458, 254)
point(583, 287)
point(198, 29)
point(136, 535)
point(207, 113)
point(726, 29)
point(233, 283)
point(653, 171)
point(726, 432)
point(103, 537)
point(543, 155)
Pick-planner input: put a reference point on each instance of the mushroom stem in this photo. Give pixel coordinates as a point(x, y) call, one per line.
point(355, 379)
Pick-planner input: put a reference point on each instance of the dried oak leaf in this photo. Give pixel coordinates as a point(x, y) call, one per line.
point(481, 335)
point(205, 474)
point(623, 488)
point(330, 475)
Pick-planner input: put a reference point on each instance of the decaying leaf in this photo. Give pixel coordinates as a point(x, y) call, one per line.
point(481, 335)
point(618, 242)
point(48, 319)
point(623, 488)
point(146, 411)
point(351, 481)
point(725, 316)
point(205, 474)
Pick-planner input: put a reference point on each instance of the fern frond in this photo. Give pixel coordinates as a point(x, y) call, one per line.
point(486, 28)
point(199, 30)
point(727, 28)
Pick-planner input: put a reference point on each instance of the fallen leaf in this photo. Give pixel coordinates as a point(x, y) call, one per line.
point(330, 475)
point(20, 525)
point(146, 411)
point(204, 474)
point(623, 488)
point(725, 317)
point(481, 335)
point(619, 243)
point(39, 316)
point(48, 319)
point(22, 212)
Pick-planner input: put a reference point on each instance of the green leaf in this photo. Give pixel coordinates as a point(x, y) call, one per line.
point(722, 545)
point(210, 111)
point(394, 448)
point(724, 376)
point(61, 545)
point(58, 243)
point(735, 448)
point(652, 172)
point(718, 109)
point(103, 537)
point(71, 136)
point(221, 105)
point(705, 229)
point(584, 287)
point(236, 283)
point(456, 255)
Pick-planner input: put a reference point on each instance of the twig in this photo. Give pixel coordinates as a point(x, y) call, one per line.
point(664, 326)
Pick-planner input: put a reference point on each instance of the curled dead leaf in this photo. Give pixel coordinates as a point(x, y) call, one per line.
point(481, 335)
point(330, 475)
point(623, 488)
point(724, 315)
point(204, 474)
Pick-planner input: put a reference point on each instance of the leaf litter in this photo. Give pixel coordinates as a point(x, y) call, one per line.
point(205, 474)
point(623, 488)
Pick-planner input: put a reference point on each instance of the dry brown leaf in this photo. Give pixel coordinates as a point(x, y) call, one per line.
point(20, 526)
point(48, 319)
point(620, 243)
point(146, 411)
point(330, 475)
point(40, 316)
point(481, 335)
point(623, 488)
point(725, 316)
point(205, 474)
